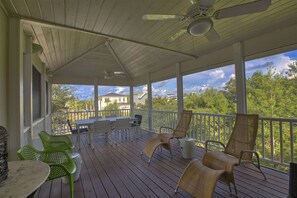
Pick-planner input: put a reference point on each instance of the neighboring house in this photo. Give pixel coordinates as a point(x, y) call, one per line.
point(110, 98)
point(139, 97)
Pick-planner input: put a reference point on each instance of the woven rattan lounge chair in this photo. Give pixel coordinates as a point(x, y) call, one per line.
point(163, 139)
point(199, 180)
point(239, 149)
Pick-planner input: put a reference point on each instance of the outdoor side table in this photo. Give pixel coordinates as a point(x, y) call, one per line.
point(24, 177)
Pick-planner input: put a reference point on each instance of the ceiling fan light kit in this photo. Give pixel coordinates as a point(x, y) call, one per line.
point(200, 15)
point(200, 26)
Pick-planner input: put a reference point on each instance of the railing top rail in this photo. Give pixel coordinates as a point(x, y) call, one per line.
point(164, 111)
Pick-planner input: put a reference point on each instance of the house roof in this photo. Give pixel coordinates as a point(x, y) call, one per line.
point(81, 39)
point(113, 95)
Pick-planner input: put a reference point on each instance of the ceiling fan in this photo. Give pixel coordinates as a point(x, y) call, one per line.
point(199, 17)
point(108, 74)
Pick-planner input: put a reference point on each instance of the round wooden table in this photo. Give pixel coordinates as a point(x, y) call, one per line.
point(24, 177)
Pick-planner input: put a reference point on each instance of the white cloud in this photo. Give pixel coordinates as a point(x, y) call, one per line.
point(121, 90)
point(232, 76)
point(144, 89)
point(280, 62)
point(196, 88)
point(217, 74)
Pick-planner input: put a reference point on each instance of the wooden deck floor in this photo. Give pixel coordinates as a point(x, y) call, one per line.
point(120, 171)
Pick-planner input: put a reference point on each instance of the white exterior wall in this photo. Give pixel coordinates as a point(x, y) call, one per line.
point(16, 87)
point(102, 101)
point(3, 67)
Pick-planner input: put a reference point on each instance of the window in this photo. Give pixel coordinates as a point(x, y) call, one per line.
point(36, 78)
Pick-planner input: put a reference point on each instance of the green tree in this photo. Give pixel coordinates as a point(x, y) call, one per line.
point(163, 103)
point(61, 96)
point(112, 106)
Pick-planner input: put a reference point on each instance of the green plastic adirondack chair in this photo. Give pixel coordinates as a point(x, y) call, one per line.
point(56, 142)
point(59, 162)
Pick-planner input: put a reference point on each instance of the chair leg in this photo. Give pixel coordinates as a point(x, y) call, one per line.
point(258, 165)
point(71, 183)
point(235, 189)
point(230, 189)
point(176, 189)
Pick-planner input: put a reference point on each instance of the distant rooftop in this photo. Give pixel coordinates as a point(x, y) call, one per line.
point(113, 95)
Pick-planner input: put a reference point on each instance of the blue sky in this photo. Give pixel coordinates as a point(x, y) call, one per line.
point(198, 81)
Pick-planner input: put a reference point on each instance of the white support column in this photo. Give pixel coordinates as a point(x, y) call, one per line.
point(96, 99)
point(131, 101)
point(240, 77)
point(150, 100)
point(179, 86)
point(15, 89)
point(27, 87)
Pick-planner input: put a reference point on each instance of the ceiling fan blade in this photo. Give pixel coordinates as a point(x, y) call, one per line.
point(162, 17)
point(177, 35)
point(206, 3)
point(242, 9)
point(212, 35)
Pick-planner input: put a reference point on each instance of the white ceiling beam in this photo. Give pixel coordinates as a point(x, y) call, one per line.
point(115, 56)
point(78, 58)
point(54, 25)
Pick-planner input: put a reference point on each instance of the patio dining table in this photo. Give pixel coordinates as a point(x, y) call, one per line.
point(90, 122)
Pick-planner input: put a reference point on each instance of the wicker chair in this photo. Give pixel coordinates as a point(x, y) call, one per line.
point(239, 149)
point(199, 180)
point(163, 139)
point(56, 142)
point(59, 162)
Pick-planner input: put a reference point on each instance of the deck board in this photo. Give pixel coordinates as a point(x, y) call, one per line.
point(120, 171)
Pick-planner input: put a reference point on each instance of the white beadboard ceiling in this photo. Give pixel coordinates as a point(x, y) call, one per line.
point(82, 38)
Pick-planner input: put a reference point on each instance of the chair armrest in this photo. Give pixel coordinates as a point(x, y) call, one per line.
point(60, 138)
point(59, 145)
point(214, 142)
point(57, 157)
point(242, 152)
point(163, 127)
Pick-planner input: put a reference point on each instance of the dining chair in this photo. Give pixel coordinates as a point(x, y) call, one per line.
point(102, 127)
point(123, 127)
point(137, 124)
point(81, 130)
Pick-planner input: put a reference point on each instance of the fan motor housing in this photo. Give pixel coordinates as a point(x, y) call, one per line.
point(200, 26)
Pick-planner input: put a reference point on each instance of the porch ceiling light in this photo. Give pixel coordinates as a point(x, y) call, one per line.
point(200, 26)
